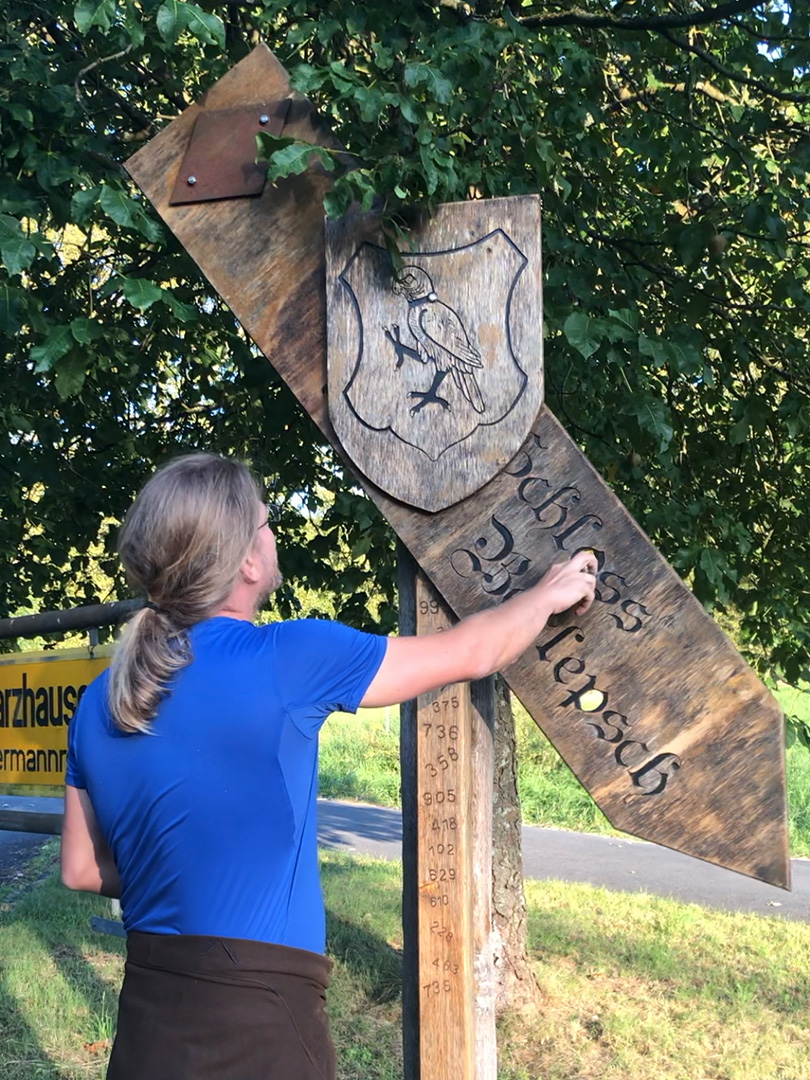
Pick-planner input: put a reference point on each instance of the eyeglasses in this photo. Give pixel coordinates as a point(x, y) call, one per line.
point(273, 514)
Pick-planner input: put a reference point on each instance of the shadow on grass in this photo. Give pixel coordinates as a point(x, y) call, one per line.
point(22, 1056)
point(717, 961)
point(100, 996)
point(369, 958)
point(363, 914)
point(21, 1053)
point(46, 921)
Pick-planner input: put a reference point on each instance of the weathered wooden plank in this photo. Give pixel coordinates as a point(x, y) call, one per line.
point(444, 866)
point(446, 1032)
point(644, 697)
point(647, 701)
point(436, 370)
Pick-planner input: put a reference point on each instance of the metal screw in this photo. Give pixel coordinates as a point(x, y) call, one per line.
point(264, 118)
point(192, 180)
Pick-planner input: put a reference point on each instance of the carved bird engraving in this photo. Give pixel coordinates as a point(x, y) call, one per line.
point(440, 339)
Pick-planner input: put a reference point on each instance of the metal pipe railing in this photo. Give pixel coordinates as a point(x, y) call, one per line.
point(80, 618)
point(32, 821)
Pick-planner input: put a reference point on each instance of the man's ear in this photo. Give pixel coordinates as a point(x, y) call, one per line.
point(250, 570)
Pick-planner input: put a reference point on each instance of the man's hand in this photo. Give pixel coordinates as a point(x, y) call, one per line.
point(570, 584)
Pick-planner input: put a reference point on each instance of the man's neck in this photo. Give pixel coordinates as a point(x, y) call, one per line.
point(240, 604)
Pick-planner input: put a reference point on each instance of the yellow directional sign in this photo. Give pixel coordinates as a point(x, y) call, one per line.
point(39, 693)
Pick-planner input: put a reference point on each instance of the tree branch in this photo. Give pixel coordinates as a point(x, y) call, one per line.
point(644, 95)
point(77, 82)
point(771, 39)
point(735, 76)
point(637, 24)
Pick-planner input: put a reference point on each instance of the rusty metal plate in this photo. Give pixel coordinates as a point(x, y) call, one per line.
point(220, 162)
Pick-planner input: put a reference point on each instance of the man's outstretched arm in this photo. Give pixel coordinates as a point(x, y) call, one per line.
point(485, 642)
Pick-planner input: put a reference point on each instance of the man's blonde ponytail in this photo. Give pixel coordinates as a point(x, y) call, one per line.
point(183, 542)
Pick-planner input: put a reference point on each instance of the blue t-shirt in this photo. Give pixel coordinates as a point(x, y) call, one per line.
point(211, 817)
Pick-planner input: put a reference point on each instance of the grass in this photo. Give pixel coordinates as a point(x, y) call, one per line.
point(645, 987)
point(360, 760)
point(632, 985)
point(359, 757)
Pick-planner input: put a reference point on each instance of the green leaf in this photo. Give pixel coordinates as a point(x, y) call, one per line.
point(654, 348)
point(70, 377)
point(86, 330)
point(739, 433)
point(431, 172)
point(20, 423)
point(580, 331)
point(371, 103)
point(337, 202)
point(56, 344)
point(411, 111)
point(713, 564)
point(267, 144)
point(118, 205)
point(627, 317)
point(175, 17)
point(294, 160)
point(16, 250)
point(82, 203)
point(126, 212)
point(20, 113)
point(686, 360)
point(90, 13)
point(204, 27)
point(134, 26)
point(437, 84)
point(142, 293)
point(168, 21)
point(653, 416)
point(11, 309)
point(181, 311)
point(513, 24)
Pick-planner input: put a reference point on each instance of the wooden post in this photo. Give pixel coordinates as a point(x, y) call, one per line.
point(448, 1003)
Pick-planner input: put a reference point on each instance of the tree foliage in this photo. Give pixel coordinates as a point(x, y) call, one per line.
point(671, 146)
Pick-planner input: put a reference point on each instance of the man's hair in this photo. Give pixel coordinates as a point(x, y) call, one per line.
point(182, 542)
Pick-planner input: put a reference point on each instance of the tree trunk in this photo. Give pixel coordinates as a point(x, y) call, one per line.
point(515, 982)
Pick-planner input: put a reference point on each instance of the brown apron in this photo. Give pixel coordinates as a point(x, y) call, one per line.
point(207, 1008)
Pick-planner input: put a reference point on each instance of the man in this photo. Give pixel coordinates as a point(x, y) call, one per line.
point(192, 777)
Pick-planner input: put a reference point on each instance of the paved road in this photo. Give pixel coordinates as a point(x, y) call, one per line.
point(15, 849)
point(615, 863)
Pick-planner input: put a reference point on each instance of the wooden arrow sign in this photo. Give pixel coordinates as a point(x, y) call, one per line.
point(650, 705)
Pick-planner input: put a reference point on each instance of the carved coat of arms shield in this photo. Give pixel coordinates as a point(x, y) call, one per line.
point(435, 369)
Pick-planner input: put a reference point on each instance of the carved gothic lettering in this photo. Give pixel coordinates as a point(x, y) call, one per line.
point(652, 778)
point(561, 501)
point(587, 521)
point(545, 648)
point(611, 726)
point(626, 752)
